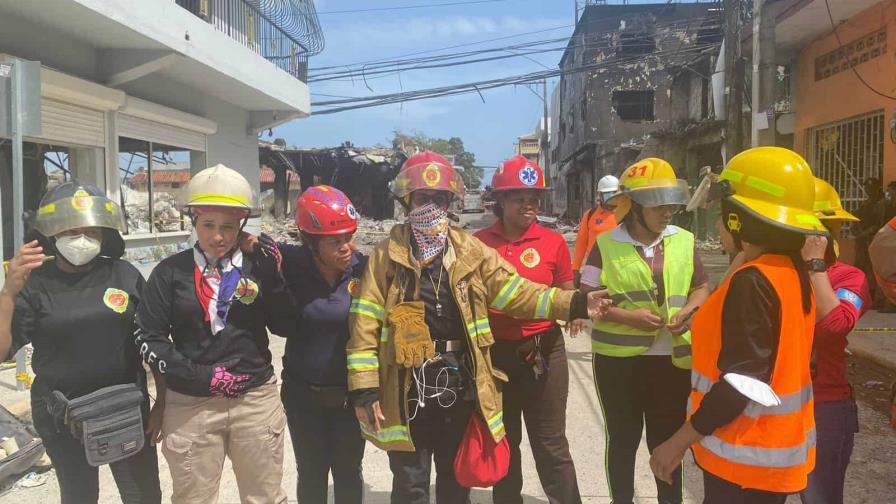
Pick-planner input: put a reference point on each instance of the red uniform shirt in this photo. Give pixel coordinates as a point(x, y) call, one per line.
point(851, 286)
point(540, 255)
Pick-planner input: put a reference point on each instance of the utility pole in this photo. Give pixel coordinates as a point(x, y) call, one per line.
point(764, 73)
point(546, 141)
point(734, 80)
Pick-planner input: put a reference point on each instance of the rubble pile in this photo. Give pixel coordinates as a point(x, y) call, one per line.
point(713, 245)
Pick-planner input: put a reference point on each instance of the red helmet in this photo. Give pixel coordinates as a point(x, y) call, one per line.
point(325, 210)
point(427, 170)
point(518, 173)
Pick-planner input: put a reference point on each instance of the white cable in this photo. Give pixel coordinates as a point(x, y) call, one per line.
point(438, 391)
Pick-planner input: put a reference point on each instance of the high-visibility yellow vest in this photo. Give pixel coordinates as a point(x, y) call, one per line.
point(630, 283)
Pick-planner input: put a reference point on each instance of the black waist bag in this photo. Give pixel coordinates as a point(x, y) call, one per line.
point(109, 422)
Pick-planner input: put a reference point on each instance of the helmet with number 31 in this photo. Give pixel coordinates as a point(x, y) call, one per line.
point(650, 182)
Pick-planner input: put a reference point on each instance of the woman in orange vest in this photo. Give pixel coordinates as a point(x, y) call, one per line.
point(751, 424)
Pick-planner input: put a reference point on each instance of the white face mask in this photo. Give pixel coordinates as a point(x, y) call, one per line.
point(78, 249)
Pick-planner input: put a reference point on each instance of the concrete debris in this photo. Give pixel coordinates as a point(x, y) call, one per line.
point(711, 245)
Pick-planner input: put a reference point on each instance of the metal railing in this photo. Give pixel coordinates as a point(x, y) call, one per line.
point(847, 153)
point(284, 32)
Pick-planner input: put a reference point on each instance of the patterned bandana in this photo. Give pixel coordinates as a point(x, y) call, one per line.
point(215, 286)
point(429, 225)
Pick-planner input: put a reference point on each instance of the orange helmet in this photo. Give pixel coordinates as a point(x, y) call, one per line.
point(427, 170)
point(518, 173)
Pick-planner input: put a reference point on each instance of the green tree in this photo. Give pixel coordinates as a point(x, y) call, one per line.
point(453, 146)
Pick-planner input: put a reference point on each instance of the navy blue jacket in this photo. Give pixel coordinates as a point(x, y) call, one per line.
point(315, 352)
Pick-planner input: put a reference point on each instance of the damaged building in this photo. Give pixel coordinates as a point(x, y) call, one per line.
point(636, 83)
point(362, 173)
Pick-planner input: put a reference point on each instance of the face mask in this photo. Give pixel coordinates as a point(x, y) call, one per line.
point(78, 249)
point(429, 225)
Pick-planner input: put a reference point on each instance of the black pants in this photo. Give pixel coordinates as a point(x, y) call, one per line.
point(437, 433)
point(323, 439)
point(137, 477)
point(719, 491)
point(634, 391)
point(542, 403)
point(836, 424)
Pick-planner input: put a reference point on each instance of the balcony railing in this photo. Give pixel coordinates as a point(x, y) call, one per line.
point(284, 32)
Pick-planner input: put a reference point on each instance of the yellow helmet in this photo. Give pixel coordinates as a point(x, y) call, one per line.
point(776, 185)
point(220, 186)
point(650, 182)
point(828, 205)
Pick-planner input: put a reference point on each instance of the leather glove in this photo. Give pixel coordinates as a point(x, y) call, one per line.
point(226, 384)
point(411, 338)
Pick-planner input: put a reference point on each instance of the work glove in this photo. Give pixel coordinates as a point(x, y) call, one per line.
point(226, 384)
point(411, 338)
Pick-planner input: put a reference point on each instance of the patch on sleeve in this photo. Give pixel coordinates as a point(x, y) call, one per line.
point(851, 298)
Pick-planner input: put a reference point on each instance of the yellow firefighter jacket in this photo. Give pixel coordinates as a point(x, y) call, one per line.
point(479, 279)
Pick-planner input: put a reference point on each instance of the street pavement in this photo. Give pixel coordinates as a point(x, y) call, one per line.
point(870, 475)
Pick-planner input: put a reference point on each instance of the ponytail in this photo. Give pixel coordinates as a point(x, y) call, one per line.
point(805, 286)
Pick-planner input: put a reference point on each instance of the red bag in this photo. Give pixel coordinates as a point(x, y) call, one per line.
point(480, 462)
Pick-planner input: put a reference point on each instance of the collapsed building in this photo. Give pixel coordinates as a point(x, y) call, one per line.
point(362, 173)
point(636, 83)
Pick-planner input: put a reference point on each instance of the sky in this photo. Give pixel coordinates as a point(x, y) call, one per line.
point(488, 129)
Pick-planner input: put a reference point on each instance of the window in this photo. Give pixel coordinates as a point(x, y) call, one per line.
point(851, 54)
point(635, 44)
point(634, 105)
point(153, 180)
point(44, 166)
point(847, 153)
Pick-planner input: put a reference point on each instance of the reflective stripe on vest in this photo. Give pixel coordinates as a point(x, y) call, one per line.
point(770, 448)
point(790, 403)
point(631, 286)
point(762, 457)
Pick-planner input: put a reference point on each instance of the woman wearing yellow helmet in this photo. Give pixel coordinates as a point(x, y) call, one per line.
point(641, 349)
point(843, 295)
point(751, 424)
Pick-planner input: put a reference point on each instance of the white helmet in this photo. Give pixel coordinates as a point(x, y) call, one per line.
point(222, 187)
point(608, 184)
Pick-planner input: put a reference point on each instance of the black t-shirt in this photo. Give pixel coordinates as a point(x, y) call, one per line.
point(188, 357)
point(81, 326)
point(316, 352)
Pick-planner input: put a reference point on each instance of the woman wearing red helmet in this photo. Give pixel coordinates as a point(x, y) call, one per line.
point(531, 352)
point(419, 361)
point(322, 276)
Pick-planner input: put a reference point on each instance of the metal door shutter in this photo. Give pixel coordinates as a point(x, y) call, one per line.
point(67, 123)
point(143, 129)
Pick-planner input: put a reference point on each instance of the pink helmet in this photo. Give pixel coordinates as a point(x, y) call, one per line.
point(325, 210)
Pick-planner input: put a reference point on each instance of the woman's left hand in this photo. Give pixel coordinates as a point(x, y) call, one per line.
point(598, 304)
point(667, 457)
point(154, 427)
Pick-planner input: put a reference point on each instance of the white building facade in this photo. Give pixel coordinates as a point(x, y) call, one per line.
point(141, 89)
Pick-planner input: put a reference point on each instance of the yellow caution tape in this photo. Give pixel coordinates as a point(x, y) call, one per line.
point(874, 329)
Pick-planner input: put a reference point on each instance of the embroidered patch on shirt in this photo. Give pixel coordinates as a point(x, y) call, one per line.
point(530, 258)
point(116, 299)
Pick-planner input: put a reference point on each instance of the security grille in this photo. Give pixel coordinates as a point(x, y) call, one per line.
point(848, 152)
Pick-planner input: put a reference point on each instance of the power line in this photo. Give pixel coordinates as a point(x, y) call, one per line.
point(515, 35)
point(387, 68)
point(406, 7)
point(848, 60)
point(478, 87)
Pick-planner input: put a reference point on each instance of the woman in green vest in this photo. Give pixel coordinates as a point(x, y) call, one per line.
point(642, 348)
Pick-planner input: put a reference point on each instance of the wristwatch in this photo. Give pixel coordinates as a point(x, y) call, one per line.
point(817, 265)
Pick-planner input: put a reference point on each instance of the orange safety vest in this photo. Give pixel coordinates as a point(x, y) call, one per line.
point(765, 448)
